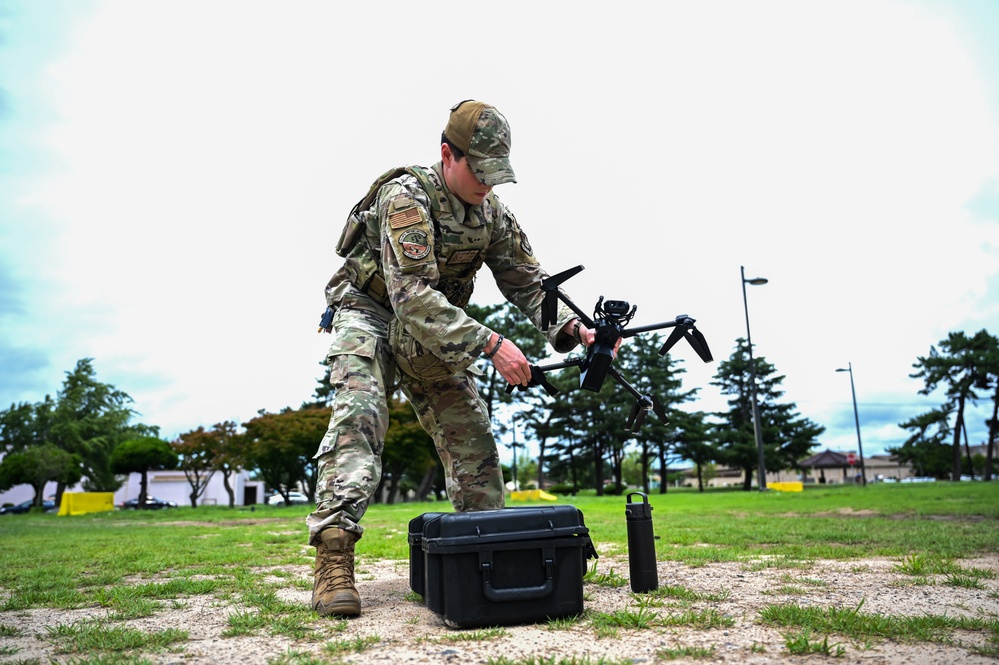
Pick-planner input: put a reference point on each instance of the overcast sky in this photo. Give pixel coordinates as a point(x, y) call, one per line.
point(174, 175)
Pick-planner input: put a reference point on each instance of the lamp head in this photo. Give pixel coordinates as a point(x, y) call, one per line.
point(756, 281)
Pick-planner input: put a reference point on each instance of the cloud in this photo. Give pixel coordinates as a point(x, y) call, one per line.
point(5, 110)
point(985, 203)
point(171, 212)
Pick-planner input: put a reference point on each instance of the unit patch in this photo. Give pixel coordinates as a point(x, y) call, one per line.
point(463, 256)
point(403, 218)
point(525, 244)
point(415, 244)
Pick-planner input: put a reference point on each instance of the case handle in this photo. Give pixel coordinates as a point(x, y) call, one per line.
point(517, 593)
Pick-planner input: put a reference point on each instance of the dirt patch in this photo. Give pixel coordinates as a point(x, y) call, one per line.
point(404, 631)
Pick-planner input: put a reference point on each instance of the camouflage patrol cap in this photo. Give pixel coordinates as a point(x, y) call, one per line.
point(482, 133)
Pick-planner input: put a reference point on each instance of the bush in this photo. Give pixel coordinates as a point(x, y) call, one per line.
point(614, 490)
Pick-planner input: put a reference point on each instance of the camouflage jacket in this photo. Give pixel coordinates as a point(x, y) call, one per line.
point(427, 247)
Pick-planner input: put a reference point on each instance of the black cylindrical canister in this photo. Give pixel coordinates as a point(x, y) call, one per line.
point(641, 545)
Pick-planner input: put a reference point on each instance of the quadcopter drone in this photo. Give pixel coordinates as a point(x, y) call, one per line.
point(610, 318)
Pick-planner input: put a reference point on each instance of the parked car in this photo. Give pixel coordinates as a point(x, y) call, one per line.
point(152, 503)
point(296, 498)
point(48, 506)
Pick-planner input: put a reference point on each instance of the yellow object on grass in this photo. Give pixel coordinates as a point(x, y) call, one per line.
point(532, 495)
point(786, 487)
point(79, 503)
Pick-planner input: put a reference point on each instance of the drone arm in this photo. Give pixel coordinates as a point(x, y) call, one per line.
point(683, 328)
point(575, 362)
point(587, 321)
point(538, 376)
point(642, 329)
point(643, 403)
point(624, 383)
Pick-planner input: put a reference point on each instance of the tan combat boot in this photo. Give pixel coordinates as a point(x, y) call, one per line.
point(333, 592)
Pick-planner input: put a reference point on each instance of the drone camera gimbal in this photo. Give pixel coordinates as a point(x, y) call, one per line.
point(610, 320)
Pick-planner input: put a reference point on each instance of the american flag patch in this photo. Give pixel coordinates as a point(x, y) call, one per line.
point(403, 218)
point(463, 256)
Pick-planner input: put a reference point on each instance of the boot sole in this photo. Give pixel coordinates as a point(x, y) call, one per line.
point(338, 609)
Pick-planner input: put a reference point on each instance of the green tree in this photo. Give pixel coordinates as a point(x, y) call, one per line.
point(323, 395)
point(197, 451)
point(961, 367)
point(409, 452)
point(599, 422)
point(280, 446)
point(25, 425)
point(660, 377)
point(927, 449)
point(36, 466)
point(694, 443)
point(990, 367)
point(545, 429)
point(207, 452)
point(90, 419)
point(632, 468)
point(230, 454)
point(87, 419)
point(142, 456)
point(527, 471)
point(570, 459)
point(786, 436)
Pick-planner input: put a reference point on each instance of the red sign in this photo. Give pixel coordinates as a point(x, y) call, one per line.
point(851, 459)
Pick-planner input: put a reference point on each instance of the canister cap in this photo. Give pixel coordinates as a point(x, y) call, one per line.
point(636, 510)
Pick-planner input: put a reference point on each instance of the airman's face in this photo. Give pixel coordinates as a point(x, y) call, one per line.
point(460, 180)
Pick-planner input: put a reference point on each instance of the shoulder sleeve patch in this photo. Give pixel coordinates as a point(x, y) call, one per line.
point(403, 210)
point(415, 244)
point(400, 219)
point(525, 251)
point(408, 230)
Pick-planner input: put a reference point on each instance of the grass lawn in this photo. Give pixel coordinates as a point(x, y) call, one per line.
point(134, 563)
point(48, 560)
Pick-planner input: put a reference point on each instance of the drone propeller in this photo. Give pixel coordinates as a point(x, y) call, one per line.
point(549, 306)
point(637, 416)
point(657, 408)
point(699, 344)
point(642, 407)
point(685, 329)
point(549, 309)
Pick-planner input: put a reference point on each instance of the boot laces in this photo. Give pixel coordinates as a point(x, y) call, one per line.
point(336, 567)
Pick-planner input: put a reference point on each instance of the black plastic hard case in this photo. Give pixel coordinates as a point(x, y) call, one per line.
point(500, 567)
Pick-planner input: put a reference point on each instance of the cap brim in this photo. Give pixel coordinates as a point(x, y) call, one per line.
point(492, 171)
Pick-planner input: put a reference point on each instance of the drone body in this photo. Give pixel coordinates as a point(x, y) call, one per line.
point(610, 320)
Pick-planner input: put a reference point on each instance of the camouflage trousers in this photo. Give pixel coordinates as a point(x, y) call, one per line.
point(362, 370)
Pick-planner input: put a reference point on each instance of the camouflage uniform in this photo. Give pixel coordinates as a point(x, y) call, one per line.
point(406, 324)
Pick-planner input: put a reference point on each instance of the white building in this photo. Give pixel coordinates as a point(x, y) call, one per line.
point(166, 485)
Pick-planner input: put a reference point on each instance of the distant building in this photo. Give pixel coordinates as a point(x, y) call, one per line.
point(876, 468)
point(166, 485)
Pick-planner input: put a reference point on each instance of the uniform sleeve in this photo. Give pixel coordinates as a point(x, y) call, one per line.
point(519, 275)
point(411, 275)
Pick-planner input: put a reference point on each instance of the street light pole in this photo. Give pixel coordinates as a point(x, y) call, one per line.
point(761, 471)
point(856, 419)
